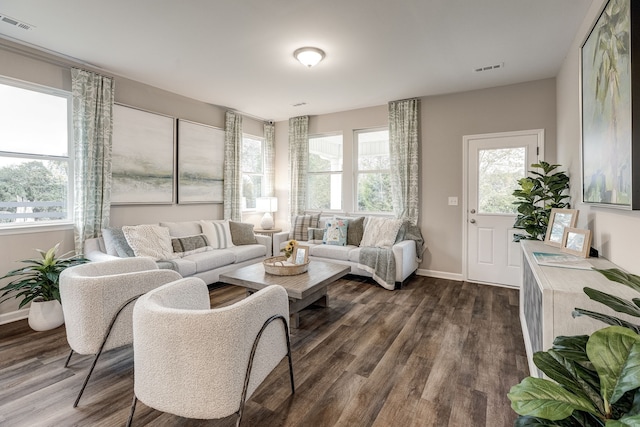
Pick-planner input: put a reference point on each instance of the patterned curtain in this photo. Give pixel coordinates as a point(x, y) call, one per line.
point(405, 161)
point(92, 110)
point(269, 160)
point(232, 166)
point(298, 163)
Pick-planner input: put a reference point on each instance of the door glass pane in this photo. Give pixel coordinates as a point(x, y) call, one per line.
point(498, 173)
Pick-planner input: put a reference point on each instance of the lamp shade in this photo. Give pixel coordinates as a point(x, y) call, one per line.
point(309, 56)
point(267, 204)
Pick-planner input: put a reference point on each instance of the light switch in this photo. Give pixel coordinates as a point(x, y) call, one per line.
point(453, 201)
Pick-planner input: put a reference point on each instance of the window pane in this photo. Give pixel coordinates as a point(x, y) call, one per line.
point(374, 192)
point(251, 189)
point(373, 150)
point(33, 190)
point(252, 158)
point(33, 122)
point(325, 153)
point(325, 192)
point(498, 173)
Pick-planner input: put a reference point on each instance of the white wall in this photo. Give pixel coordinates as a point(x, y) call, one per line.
point(615, 232)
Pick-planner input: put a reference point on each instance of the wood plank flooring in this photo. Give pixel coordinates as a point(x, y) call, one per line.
point(436, 353)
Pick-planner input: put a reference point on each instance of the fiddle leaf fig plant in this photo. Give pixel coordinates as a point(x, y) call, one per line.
point(535, 198)
point(594, 380)
point(39, 279)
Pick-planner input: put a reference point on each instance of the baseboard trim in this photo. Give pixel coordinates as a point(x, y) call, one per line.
point(439, 274)
point(14, 316)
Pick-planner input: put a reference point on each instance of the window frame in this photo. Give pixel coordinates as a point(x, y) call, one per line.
point(243, 173)
point(357, 171)
point(50, 225)
point(328, 173)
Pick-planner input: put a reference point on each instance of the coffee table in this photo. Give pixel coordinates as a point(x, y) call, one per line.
point(303, 289)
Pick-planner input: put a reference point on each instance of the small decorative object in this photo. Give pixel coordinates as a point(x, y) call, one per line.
point(280, 266)
point(559, 219)
point(301, 254)
point(576, 241)
point(38, 284)
point(289, 248)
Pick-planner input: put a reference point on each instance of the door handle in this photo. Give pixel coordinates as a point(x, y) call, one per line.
point(473, 211)
point(472, 221)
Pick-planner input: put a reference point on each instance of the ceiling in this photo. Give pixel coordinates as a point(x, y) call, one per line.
point(239, 53)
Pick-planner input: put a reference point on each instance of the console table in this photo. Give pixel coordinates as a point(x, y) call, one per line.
point(550, 294)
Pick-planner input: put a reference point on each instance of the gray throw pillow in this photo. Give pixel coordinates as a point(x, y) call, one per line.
point(242, 233)
point(115, 243)
point(189, 243)
point(355, 230)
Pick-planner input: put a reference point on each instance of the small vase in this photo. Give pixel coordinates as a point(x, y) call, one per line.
point(45, 315)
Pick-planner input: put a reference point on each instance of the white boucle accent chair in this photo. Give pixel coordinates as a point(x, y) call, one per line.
point(197, 362)
point(96, 302)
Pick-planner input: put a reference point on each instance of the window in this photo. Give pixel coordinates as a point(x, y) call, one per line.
point(252, 170)
point(325, 172)
point(35, 155)
point(373, 179)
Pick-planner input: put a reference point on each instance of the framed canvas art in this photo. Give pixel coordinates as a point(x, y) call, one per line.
point(142, 157)
point(200, 163)
point(610, 91)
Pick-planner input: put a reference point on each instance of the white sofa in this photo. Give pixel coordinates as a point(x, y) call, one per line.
point(207, 265)
point(405, 254)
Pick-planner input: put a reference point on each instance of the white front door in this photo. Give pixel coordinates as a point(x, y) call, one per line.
point(494, 164)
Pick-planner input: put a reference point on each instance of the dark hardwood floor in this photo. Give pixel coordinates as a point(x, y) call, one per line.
point(436, 353)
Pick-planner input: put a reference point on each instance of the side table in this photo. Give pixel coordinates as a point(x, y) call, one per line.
point(270, 232)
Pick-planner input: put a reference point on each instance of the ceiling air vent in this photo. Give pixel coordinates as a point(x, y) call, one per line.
point(14, 22)
point(488, 67)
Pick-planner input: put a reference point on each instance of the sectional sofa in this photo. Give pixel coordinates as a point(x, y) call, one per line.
point(203, 248)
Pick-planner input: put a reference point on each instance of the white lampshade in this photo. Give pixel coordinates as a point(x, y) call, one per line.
point(309, 56)
point(267, 204)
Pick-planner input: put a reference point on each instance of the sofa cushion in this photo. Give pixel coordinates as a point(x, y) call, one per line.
point(380, 232)
point(355, 230)
point(315, 234)
point(335, 232)
point(183, 228)
point(247, 252)
point(300, 225)
point(242, 233)
point(188, 243)
point(148, 240)
point(218, 233)
point(206, 261)
point(331, 251)
point(115, 243)
point(184, 266)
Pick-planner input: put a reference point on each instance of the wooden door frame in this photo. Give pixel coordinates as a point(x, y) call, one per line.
point(465, 181)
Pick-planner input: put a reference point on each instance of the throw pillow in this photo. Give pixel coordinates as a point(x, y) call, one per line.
point(380, 232)
point(335, 232)
point(218, 233)
point(315, 233)
point(150, 241)
point(355, 230)
point(301, 224)
point(189, 243)
point(242, 233)
point(115, 243)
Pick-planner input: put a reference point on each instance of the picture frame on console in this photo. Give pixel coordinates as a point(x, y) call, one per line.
point(559, 219)
point(576, 241)
point(301, 254)
point(610, 94)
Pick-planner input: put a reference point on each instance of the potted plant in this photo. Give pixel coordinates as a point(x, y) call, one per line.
point(595, 379)
point(535, 198)
point(38, 283)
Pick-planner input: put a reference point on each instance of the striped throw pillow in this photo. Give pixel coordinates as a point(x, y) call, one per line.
point(218, 233)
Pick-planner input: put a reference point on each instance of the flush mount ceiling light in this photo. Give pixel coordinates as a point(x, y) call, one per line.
point(309, 56)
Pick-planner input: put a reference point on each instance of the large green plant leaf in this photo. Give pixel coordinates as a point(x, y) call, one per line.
point(526, 421)
point(545, 399)
point(615, 354)
point(615, 303)
point(609, 320)
point(633, 421)
point(619, 276)
point(572, 347)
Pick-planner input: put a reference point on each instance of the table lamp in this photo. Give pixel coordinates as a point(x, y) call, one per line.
point(267, 205)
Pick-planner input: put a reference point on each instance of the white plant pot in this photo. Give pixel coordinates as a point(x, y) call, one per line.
point(45, 315)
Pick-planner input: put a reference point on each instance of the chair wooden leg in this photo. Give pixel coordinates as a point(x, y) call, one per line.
point(133, 409)
point(104, 341)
